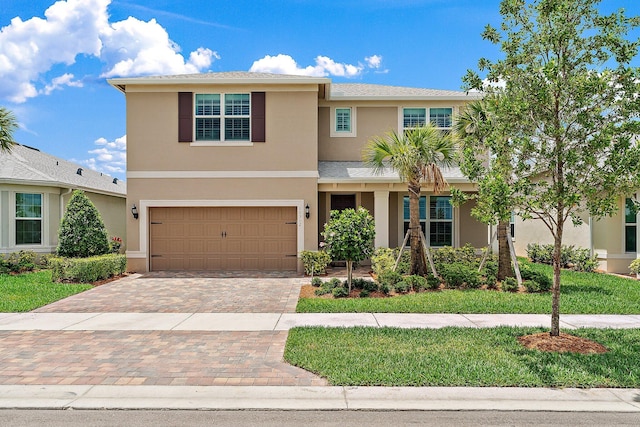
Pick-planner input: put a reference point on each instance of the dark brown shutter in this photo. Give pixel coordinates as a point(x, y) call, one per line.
point(185, 117)
point(258, 117)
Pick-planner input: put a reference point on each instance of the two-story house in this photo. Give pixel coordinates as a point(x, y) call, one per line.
point(239, 170)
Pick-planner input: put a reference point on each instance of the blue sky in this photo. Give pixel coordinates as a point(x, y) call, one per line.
point(55, 57)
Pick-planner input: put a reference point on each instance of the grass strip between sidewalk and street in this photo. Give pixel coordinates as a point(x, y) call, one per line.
point(581, 293)
point(28, 291)
point(363, 356)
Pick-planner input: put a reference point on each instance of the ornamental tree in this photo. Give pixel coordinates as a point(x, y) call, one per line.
point(573, 105)
point(349, 237)
point(8, 126)
point(82, 232)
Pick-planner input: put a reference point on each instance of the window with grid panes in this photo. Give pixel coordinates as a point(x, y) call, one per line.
point(440, 221)
point(422, 204)
point(28, 219)
point(343, 119)
point(214, 123)
point(441, 117)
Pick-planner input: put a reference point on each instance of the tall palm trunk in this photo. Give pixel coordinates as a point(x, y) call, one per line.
point(504, 254)
point(418, 265)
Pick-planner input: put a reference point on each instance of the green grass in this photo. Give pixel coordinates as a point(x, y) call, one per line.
point(460, 357)
point(28, 291)
point(581, 293)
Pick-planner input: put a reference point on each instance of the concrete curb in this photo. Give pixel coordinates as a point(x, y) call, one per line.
point(319, 398)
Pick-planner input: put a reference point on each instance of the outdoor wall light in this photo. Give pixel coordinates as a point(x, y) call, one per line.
point(134, 211)
point(306, 211)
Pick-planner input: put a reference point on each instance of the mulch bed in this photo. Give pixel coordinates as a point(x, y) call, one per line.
point(564, 343)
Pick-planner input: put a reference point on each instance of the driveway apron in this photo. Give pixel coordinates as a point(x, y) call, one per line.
point(171, 357)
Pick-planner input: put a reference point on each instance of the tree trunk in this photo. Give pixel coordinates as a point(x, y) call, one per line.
point(504, 255)
point(418, 266)
point(555, 290)
point(349, 273)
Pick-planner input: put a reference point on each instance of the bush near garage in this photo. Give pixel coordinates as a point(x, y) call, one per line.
point(84, 270)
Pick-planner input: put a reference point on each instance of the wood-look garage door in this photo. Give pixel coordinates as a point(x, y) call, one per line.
point(223, 238)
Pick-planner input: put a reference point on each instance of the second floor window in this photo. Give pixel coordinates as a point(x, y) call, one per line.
point(439, 117)
point(214, 123)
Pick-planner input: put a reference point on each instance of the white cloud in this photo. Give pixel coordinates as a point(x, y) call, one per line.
point(29, 49)
point(375, 62)
point(325, 66)
point(110, 156)
point(58, 82)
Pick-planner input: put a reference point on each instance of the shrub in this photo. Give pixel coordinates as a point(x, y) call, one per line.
point(458, 274)
point(578, 259)
point(544, 282)
point(84, 270)
point(490, 268)
point(82, 232)
point(402, 287)
point(316, 282)
point(340, 292)
point(385, 288)
point(532, 286)
point(491, 282)
point(415, 282)
point(389, 278)
point(449, 255)
point(433, 282)
point(364, 293)
point(364, 284)
point(384, 259)
point(509, 284)
point(635, 266)
point(18, 262)
point(315, 262)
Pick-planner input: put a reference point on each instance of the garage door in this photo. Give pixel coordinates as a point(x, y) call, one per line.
point(223, 238)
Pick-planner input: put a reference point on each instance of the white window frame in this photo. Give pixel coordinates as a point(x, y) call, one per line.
point(15, 219)
point(222, 117)
point(427, 116)
point(428, 220)
point(334, 133)
point(440, 220)
point(629, 224)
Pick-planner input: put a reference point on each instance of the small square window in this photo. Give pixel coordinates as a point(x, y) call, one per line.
point(343, 119)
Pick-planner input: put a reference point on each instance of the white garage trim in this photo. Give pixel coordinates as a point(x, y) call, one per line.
point(146, 204)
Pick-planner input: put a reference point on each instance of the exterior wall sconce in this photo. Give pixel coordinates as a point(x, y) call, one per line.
point(134, 212)
point(307, 211)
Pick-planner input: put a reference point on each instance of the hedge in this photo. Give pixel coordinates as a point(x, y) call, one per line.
point(84, 270)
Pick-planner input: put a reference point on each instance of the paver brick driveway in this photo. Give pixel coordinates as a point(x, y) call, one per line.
point(151, 294)
point(160, 357)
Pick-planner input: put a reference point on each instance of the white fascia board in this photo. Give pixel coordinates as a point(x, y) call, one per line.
point(469, 97)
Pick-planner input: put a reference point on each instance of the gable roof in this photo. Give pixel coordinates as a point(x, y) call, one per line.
point(335, 91)
point(26, 165)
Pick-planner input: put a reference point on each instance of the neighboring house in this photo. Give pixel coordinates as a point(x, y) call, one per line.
point(615, 240)
point(239, 170)
point(34, 190)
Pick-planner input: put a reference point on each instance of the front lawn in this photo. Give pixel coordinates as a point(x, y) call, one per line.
point(28, 291)
point(581, 293)
point(460, 357)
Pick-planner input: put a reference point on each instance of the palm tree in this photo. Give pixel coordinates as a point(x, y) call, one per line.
point(8, 125)
point(480, 134)
point(416, 155)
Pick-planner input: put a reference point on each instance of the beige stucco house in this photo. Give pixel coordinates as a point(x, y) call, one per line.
point(239, 170)
point(34, 190)
point(613, 239)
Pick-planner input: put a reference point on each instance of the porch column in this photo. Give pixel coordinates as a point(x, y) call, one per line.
point(381, 211)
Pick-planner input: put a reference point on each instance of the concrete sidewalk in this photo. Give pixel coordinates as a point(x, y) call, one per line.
point(319, 398)
point(286, 321)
